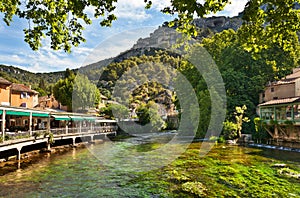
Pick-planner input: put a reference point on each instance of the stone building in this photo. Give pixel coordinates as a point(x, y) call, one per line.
point(279, 110)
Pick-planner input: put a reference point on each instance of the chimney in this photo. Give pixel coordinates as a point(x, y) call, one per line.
point(29, 86)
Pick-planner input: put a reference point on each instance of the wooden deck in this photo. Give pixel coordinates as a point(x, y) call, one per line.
point(58, 135)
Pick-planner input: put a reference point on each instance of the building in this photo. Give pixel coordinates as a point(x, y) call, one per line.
point(49, 102)
point(287, 87)
point(5, 92)
point(279, 109)
point(17, 95)
point(23, 96)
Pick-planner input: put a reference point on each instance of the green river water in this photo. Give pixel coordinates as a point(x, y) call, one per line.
point(120, 169)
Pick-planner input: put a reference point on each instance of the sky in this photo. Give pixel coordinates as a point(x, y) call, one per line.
point(133, 22)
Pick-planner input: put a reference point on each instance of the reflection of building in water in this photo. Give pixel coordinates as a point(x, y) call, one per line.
point(279, 109)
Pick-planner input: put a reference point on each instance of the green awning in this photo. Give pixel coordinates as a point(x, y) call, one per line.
point(77, 118)
point(1, 111)
point(90, 118)
point(17, 113)
point(61, 117)
point(40, 114)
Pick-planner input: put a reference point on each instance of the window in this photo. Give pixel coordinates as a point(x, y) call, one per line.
point(272, 89)
point(275, 98)
point(24, 95)
point(19, 122)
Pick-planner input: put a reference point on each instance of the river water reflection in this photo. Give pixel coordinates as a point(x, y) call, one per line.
point(225, 172)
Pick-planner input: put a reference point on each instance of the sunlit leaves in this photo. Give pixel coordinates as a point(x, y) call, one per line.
point(269, 22)
point(9, 8)
point(61, 20)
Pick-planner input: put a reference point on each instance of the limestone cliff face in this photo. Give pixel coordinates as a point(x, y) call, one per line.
point(218, 24)
point(164, 37)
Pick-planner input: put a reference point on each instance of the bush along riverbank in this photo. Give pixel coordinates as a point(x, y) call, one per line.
point(227, 171)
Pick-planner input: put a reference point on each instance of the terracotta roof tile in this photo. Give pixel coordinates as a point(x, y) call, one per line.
point(280, 101)
point(293, 75)
point(4, 81)
point(22, 88)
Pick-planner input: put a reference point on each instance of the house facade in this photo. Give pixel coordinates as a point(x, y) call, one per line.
point(17, 95)
point(5, 86)
point(23, 96)
point(279, 109)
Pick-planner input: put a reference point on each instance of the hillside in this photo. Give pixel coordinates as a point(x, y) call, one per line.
point(144, 46)
point(16, 74)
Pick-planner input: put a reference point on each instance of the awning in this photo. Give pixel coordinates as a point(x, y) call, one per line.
point(18, 113)
point(61, 117)
point(81, 118)
point(90, 118)
point(104, 120)
point(1, 111)
point(40, 114)
point(77, 118)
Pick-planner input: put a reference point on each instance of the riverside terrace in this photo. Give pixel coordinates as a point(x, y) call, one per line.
point(22, 127)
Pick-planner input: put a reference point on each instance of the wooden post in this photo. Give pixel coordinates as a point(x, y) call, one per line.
point(276, 132)
point(293, 117)
point(3, 124)
point(67, 122)
point(80, 123)
point(19, 153)
point(48, 123)
point(48, 146)
point(260, 111)
point(30, 124)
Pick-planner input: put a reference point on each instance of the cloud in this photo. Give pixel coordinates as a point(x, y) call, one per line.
point(232, 9)
point(44, 60)
point(133, 10)
point(117, 43)
point(160, 4)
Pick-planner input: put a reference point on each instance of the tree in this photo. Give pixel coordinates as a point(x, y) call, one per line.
point(269, 22)
point(115, 111)
point(85, 94)
point(234, 129)
point(41, 88)
point(76, 92)
point(63, 90)
point(148, 114)
point(64, 21)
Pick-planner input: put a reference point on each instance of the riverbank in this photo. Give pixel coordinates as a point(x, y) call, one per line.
point(275, 147)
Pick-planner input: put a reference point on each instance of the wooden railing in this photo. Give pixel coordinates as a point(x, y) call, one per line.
point(17, 135)
point(59, 131)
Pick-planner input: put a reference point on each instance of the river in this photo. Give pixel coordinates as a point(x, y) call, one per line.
point(124, 169)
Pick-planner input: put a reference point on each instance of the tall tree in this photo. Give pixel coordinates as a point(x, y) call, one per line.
point(85, 94)
point(63, 90)
point(76, 92)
